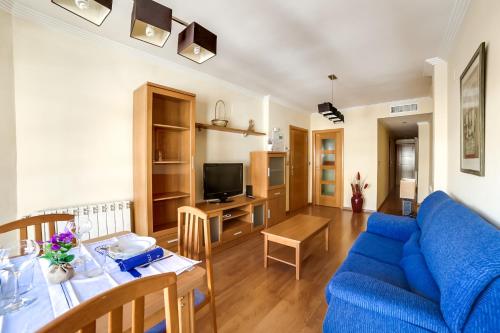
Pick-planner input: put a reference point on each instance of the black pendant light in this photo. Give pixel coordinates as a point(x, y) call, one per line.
point(94, 11)
point(328, 110)
point(151, 22)
point(197, 43)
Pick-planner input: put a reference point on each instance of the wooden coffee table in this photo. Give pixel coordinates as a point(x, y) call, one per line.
point(294, 232)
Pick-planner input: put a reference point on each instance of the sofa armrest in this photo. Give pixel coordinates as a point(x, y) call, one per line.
point(392, 226)
point(386, 299)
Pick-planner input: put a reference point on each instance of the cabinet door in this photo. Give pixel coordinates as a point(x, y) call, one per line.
point(276, 210)
point(276, 171)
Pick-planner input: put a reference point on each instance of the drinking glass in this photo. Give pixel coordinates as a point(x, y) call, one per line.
point(80, 227)
point(14, 259)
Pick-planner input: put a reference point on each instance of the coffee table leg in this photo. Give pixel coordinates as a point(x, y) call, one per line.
point(266, 251)
point(297, 262)
point(327, 238)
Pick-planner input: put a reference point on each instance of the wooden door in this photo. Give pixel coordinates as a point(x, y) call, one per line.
point(299, 157)
point(328, 162)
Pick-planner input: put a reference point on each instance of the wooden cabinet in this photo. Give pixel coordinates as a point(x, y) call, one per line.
point(164, 128)
point(267, 171)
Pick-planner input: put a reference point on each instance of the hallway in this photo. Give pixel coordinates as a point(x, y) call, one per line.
point(392, 204)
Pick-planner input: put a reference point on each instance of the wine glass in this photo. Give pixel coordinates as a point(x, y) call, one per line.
point(15, 258)
point(80, 227)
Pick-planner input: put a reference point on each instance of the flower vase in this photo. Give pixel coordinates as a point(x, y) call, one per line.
point(60, 273)
point(357, 203)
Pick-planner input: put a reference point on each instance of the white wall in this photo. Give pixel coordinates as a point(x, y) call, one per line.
point(74, 116)
point(360, 142)
point(424, 160)
point(7, 123)
point(481, 23)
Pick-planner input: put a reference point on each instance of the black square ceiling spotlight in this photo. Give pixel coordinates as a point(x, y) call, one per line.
point(94, 11)
point(151, 22)
point(197, 43)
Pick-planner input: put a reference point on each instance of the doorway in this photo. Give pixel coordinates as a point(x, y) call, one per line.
point(299, 160)
point(328, 172)
point(405, 159)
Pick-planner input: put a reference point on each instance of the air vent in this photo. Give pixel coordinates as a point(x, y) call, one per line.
point(404, 108)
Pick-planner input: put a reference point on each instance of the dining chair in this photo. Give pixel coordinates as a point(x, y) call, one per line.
point(83, 317)
point(194, 235)
point(38, 222)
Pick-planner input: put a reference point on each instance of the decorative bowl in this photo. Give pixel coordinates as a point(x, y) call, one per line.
point(220, 122)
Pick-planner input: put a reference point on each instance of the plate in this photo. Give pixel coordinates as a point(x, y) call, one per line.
point(126, 248)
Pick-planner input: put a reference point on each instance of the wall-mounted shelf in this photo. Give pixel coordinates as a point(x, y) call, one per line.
point(201, 126)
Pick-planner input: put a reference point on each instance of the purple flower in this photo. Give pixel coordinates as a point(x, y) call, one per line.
point(55, 247)
point(66, 237)
point(53, 239)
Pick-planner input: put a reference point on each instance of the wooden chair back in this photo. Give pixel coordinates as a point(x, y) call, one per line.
point(194, 235)
point(83, 317)
point(38, 222)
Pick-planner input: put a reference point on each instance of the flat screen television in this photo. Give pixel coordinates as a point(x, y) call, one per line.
point(222, 180)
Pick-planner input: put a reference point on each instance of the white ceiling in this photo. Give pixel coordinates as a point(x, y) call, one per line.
point(406, 126)
point(286, 48)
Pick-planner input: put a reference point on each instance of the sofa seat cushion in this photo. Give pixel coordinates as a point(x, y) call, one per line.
point(361, 264)
point(379, 247)
point(419, 277)
point(412, 246)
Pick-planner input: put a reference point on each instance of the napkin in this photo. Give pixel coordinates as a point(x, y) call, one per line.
point(129, 265)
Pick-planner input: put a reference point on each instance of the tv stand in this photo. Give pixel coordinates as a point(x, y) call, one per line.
point(222, 200)
point(231, 221)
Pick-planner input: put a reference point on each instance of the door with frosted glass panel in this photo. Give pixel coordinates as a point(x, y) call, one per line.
point(328, 167)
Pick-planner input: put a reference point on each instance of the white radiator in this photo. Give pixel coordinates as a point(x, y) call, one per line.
point(106, 217)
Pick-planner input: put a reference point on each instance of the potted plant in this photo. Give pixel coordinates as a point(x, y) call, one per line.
point(56, 251)
point(358, 186)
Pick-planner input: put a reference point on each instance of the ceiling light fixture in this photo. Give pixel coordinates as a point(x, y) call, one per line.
point(94, 11)
point(151, 22)
point(197, 43)
point(328, 110)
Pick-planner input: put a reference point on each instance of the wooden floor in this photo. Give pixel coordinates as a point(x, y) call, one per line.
point(250, 298)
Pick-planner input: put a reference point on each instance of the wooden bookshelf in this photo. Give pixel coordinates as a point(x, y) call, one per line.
point(163, 159)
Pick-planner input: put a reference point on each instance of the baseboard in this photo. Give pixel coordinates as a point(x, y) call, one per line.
point(364, 210)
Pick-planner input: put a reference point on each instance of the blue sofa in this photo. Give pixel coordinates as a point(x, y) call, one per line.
point(439, 272)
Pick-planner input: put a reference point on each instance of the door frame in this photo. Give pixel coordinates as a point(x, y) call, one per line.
point(306, 131)
point(339, 131)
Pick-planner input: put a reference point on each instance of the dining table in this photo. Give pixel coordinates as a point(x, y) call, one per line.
point(42, 311)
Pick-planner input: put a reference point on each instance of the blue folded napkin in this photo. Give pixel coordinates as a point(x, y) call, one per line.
point(129, 265)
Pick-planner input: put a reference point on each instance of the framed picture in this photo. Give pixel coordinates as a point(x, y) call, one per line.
point(472, 99)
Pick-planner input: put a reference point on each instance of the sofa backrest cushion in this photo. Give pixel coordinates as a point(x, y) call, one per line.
point(419, 278)
point(462, 252)
point(485, 316)
point(412, 245)
point(429, 206)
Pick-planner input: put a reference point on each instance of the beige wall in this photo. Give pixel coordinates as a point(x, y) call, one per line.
point(7, 123)
point(383, 138)
point(481, 23)
point(424, 160)
point(360, 142)
point(74, 116)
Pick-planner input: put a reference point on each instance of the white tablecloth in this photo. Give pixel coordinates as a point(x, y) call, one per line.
point(53, 300)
